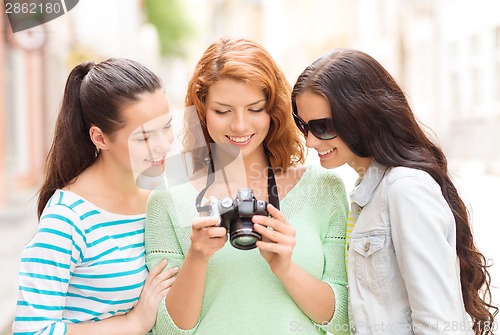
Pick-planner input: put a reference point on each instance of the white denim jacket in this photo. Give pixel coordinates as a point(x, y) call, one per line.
point(403, 270)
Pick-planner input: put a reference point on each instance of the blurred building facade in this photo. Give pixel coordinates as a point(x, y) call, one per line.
point(456, 45)
point(445, 54)
point(2, 111)
point(34, 66)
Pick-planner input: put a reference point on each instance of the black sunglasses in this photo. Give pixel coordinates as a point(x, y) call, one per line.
point(322, 129)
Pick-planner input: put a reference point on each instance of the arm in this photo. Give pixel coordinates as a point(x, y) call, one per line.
point(142, 317)
point(332, 199)
point(45, 271)
point(313, 296)
point(186, 296)
point(180, 312)
point(423, 234)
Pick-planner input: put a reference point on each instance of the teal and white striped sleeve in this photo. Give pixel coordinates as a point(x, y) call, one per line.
point(46, 266)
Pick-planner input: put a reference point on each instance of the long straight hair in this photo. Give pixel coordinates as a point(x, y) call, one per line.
point(364, 97)
point(93, 96)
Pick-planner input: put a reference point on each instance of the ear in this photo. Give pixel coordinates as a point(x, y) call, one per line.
point(98, 138)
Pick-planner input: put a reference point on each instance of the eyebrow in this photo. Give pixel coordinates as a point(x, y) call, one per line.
point(251, 104)
point(145, 132)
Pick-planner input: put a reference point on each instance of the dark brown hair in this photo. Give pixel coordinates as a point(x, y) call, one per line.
point(247, 61)
point(373, 117)
point(93, 96)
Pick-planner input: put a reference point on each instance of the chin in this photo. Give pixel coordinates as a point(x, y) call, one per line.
point(327, 164)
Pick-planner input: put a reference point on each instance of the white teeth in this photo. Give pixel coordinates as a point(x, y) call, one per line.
point(239, 139)
point(322, 153)
point(156, 160)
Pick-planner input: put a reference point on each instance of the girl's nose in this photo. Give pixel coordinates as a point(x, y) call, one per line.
point(312, 141)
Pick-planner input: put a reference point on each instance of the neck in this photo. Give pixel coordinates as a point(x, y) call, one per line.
point(256, 165)
point(114, 178)
point(242, 172)
point(361, 165)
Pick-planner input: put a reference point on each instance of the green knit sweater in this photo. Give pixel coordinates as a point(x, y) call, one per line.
point(242, 295)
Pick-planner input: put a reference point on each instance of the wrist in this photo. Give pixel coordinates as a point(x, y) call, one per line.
point(197, 257)
point(285, 275)
point(134, 323)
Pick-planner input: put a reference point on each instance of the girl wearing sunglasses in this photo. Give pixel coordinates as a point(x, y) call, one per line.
point(411, 261)
point(293, 281)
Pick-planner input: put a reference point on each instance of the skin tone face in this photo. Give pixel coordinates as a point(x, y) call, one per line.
point(332, 153)
point(142, 144)
point(156, 137)
point(236, 116)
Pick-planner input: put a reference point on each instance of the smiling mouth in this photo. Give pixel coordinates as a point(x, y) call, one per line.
point(239, 139)
point(325, 152)
point(155, 161)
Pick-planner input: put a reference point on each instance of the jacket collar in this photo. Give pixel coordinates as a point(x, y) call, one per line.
point(366, 185)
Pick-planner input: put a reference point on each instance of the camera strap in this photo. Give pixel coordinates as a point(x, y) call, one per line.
point(272, 188)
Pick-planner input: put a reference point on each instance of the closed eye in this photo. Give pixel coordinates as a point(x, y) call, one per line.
point(222, 112)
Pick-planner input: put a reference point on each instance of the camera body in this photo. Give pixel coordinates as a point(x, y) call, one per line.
point(236, 216)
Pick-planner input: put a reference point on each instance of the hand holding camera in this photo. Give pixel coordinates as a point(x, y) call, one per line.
point(236, 216)
point(207, 237)
point(278, 241)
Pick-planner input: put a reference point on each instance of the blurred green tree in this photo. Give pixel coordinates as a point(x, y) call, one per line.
point(170, 19)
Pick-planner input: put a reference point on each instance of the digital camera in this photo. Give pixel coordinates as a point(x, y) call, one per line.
point(236, 216)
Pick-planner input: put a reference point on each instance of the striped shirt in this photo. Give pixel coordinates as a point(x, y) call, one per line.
point(83, 264)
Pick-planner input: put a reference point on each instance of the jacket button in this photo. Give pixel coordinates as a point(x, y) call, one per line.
point(367, 246)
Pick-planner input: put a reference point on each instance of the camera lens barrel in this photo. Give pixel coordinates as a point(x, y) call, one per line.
point(241, 234)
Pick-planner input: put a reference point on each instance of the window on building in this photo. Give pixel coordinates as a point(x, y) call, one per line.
point(497, 79)
point(497, 38)
point(455, 94)
point(497, 65)
point(476, 86)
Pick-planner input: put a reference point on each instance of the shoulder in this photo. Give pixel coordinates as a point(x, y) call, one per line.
point(158, 203)
point(159, 196)
point(401, 177)
point(322, 185)
point(65, 203)
point(65, 212)
point(318, 174)
point(408, 183)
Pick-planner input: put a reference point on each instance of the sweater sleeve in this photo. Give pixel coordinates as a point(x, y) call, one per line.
point(45, 270)
point(334, 255)
point(161, 242)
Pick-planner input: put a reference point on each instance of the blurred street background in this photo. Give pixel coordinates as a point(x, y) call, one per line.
point(444, 53)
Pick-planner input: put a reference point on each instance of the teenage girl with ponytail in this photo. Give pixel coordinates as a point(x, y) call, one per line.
point(84, 270)
point(412, 264)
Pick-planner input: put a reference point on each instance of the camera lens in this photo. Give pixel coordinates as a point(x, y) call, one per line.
point(242, 235)
point(245, 240)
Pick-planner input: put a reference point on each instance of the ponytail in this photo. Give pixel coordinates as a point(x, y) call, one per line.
point(94, 95)
point(72, 151)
